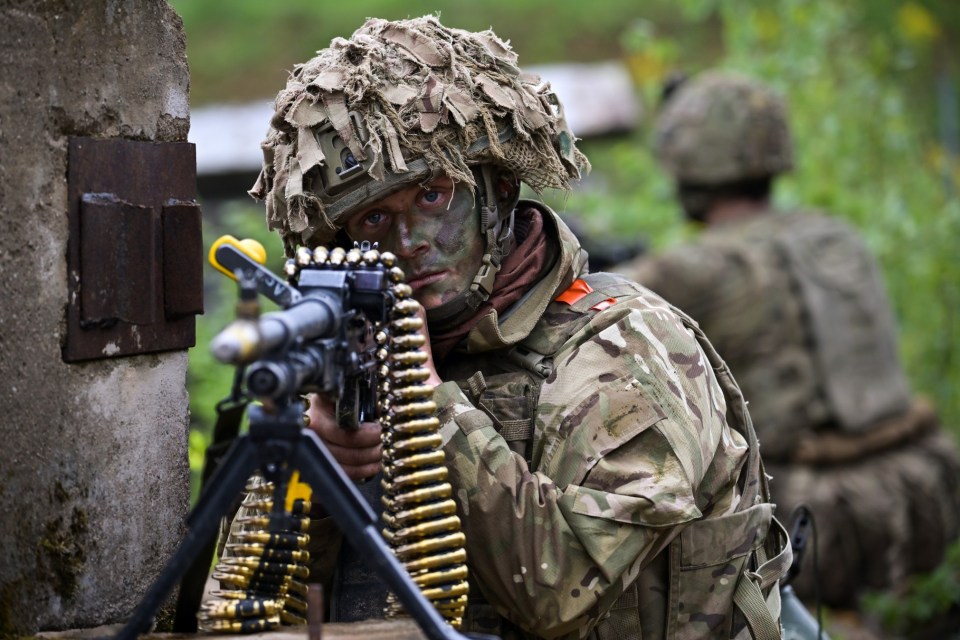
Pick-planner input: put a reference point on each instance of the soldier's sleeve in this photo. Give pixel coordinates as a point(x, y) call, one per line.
point(619, 453)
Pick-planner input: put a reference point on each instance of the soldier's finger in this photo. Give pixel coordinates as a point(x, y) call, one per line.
point(321, 414)
point(348, 456)
point(362, 472)
point(366, 436)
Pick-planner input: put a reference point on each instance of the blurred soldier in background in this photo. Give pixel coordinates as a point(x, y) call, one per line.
point(607, 475)
point(795, 304)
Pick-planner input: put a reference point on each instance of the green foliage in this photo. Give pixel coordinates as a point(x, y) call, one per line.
point(861, 82)
point(243, 49)
point(929, 597)
point(624, 195)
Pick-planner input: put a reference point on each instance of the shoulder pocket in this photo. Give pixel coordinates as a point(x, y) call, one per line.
point(615, 413)
point(725, 538)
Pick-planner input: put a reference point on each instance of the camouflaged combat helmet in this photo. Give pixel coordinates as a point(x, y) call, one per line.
point(401, 103)
point(721, 128)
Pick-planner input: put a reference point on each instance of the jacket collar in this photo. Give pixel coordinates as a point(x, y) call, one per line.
point(494, 332)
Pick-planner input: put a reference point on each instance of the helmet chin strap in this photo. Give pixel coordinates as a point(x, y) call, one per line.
point(498, 234)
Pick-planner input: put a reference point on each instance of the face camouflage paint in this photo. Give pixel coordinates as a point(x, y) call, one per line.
point(434, 232)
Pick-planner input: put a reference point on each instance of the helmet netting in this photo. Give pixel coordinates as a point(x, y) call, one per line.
point(419, 90)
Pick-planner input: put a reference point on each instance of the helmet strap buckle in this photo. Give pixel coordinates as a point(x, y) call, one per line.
point(499, 234)
point(482, 284)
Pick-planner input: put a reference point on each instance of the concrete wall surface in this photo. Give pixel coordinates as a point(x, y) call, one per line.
point(93, 456)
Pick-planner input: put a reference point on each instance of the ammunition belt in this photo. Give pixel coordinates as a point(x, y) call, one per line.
point(264, 569)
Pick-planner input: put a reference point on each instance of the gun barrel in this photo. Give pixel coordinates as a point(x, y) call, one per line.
point(243, 341)
point(313, 317)
point(238, 343)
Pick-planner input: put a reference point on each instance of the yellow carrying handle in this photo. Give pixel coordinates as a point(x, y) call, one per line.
point(249, 247)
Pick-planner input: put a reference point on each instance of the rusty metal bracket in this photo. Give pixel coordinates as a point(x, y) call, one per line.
point(135, 251)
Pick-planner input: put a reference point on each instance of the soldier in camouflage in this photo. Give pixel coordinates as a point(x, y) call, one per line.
point(795, 304)
point(606, 470)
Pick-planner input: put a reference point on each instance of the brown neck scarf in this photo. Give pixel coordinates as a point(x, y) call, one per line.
point(521, 268)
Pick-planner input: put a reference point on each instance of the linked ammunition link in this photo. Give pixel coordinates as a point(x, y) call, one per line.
point(264, 568)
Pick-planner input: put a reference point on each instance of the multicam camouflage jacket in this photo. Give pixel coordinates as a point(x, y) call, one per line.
point(796, 305)
point(606, 470)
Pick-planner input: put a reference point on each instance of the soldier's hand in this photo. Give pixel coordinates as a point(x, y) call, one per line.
point(357, 451)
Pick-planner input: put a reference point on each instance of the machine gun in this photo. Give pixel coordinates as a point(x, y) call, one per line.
point(348, 328)
point(321, 341)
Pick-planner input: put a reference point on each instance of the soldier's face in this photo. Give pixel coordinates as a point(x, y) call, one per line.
point(435, 233)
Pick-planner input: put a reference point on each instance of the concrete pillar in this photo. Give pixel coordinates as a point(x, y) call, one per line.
point(93, 456)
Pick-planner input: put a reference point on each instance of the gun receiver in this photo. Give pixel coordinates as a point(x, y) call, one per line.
point(320, 342)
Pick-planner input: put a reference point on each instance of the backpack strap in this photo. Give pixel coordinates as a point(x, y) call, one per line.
point(761, 613)
point(526, 358)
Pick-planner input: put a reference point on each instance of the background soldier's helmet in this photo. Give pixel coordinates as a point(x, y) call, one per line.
point(721, 128)
point(400, 103)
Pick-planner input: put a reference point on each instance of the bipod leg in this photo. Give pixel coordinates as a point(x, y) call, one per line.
point(230, 413)
point(239, 464)
point(358, 524)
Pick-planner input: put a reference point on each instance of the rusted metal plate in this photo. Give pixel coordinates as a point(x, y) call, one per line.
point(116, 237)
point(135, 252)
point(182, 260)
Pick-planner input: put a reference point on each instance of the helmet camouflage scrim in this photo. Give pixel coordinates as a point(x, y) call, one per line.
point(720, 128)
point(400, 103)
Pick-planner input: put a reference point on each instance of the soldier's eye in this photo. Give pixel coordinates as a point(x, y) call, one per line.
point(374, 219)
point(435, 194)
